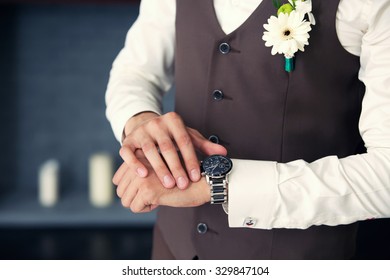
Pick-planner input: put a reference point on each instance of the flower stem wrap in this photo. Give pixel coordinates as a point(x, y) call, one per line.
point(289, 64)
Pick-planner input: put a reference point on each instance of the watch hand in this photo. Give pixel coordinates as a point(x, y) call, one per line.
point(215, 166)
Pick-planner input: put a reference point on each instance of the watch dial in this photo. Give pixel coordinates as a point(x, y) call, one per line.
point(217, 165)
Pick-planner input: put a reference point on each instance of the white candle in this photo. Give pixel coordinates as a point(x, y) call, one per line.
point(48, 183)
point(101, 169)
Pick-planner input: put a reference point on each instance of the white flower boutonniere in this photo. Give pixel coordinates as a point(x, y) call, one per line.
point(288, 32)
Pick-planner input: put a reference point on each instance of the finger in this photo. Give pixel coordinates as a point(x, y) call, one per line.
point(127, 154)
point(124, 183)
point(148, 208)
point(171, 157)
point(139, 205)
point(145, 141)
point(204, 145)
point(119, 174)
point(158, 165)
point(149, 192)
point(139, 154)
point(129, 195)
point(184, 143)
point(153, 206)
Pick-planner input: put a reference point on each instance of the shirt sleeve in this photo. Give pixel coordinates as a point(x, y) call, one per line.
point(143, 70)
point(330, 191)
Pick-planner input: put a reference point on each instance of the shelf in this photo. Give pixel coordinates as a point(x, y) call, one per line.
point(74, 210)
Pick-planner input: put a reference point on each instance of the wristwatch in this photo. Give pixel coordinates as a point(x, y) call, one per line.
point(216, 169)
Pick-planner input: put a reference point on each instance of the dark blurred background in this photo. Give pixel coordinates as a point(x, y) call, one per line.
point(55, 58)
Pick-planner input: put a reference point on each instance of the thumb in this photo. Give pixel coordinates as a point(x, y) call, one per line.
point(204, 145)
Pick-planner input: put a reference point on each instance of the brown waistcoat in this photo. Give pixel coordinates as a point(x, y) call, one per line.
point(265, 114)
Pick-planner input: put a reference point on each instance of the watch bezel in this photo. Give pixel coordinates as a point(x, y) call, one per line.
point(216, 175)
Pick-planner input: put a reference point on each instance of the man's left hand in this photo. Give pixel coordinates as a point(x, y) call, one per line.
point(145, 194)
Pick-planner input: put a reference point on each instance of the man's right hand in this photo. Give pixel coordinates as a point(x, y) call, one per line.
point(161, 138)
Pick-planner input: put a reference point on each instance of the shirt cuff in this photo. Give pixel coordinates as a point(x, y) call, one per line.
point(253, 194)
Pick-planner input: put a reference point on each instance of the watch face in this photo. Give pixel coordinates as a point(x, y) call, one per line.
point(217, 165)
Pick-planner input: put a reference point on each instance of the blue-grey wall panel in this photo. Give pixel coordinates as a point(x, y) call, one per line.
point(55, 61)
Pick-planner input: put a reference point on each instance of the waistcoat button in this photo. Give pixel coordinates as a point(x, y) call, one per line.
point(217, 95)
point(214, 139)
point(201, 228)
point(224, 48)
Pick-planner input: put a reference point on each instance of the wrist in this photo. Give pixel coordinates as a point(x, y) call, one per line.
point(205, 190)
point(137, 119)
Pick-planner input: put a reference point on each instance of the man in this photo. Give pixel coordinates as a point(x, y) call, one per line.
point(309, 146)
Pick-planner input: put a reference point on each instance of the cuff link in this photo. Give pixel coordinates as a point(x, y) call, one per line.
point(249, 222)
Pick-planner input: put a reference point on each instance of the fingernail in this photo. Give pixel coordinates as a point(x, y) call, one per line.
point(181, 182)
point(195, 175)
point(168, 181)
point(141, 172)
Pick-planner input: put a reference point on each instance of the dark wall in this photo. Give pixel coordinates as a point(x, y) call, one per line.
point(8, 104)
point(54, 67)
point(55, 61)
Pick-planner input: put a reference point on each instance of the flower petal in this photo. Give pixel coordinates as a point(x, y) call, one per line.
point(287, 33)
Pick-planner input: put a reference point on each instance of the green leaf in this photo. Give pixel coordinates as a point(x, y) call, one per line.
point(285, 8)
point(277, 3)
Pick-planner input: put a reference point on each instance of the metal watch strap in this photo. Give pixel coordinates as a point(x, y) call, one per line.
point(218, 189)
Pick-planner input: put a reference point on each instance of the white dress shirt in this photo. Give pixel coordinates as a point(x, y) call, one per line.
point(297, 194)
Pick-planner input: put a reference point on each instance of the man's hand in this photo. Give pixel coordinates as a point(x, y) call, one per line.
point(161, 138)
point(145, 194)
